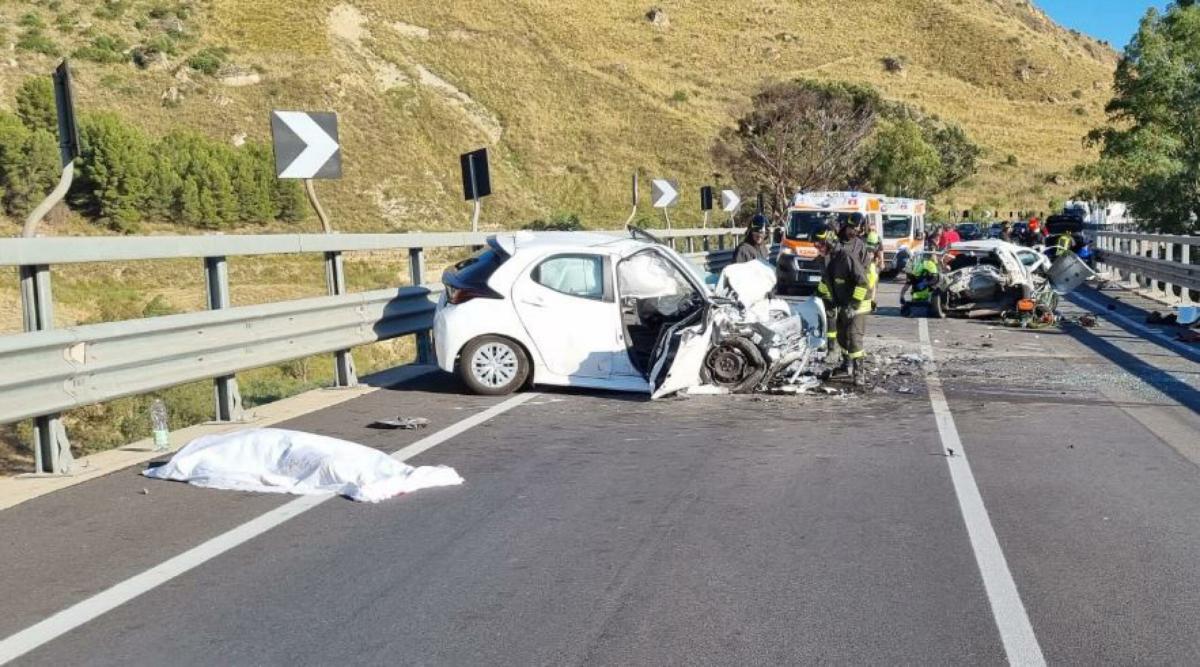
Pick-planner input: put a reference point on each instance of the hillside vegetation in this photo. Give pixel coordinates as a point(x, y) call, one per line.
point(568, 96)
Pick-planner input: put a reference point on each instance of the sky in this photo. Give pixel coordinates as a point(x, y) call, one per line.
point(1112, 20)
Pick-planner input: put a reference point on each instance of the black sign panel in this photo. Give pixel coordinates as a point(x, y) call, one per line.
point(64, 100)
point(706, 198)
point(477, 183)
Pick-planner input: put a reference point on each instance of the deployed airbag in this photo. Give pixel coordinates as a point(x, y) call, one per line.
point(272, 460)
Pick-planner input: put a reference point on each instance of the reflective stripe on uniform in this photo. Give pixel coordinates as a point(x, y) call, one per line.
point(857, 355)
point(859, 293)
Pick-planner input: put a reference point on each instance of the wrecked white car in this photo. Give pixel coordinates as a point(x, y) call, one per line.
point(619, 313)
point(987, 278)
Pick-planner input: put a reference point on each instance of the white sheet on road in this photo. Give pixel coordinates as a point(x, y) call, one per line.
point(274, 460)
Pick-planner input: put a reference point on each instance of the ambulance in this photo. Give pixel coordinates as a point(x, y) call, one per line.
point(903, 220)
point(799, 268)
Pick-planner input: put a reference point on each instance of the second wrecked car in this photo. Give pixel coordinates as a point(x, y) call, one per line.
point(615, 312)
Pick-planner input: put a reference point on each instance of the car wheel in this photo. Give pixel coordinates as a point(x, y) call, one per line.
point(937, 304)
point(493, 366)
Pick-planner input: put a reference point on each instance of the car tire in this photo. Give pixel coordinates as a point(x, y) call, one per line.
point(936, 306)
point(493, 366)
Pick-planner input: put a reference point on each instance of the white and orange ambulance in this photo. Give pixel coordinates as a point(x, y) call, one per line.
point(799, 268)
point(902, 231)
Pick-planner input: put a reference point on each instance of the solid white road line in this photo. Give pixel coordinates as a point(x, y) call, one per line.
point(1020, 644)
point(107, 600)
point(1101, 310)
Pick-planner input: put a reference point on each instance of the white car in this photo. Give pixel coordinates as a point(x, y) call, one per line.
point(608, 312)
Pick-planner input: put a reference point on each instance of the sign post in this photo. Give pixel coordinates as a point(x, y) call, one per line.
point(477, 182)
point(664, 194)
point(51, 448)
point(633, 213)
point(306, 148)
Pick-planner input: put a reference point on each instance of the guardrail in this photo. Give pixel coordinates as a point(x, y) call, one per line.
point(48, 371)
point(1161, 264)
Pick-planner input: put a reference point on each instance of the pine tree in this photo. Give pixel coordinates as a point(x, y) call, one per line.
point(291, 201)
point(34, 175)
point(35, 104)
point(115, 168)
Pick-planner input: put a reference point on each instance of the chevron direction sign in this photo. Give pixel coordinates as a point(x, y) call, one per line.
point(306, 144)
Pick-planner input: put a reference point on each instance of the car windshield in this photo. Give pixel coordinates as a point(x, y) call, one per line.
point(802, 223)
point(897, 226)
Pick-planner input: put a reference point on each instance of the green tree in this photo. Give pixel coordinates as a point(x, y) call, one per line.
point(115, 167)
point(1150, 146)
point(799, 135)
point(35, 104)
point(253, 181)
point(290, 200)
point(901, 163)
point(33, 173)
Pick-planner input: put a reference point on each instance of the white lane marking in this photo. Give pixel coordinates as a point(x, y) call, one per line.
point(76, 615)
point(1016, 633)
point(1102, 310)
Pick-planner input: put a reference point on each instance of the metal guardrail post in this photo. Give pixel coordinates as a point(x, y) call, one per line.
point(1185, 294)
point(51, 448)
point(416, 267)
point(226, 397)
point(343, 361)
point(1168, 290)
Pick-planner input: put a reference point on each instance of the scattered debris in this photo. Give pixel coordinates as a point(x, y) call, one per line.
point(1156, 317)
point(1088, 321)
point(1189, 337)
point(949, 452)
point(406, 423)
point(145, 491)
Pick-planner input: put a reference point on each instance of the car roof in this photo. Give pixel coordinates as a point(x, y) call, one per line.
point(614, 243)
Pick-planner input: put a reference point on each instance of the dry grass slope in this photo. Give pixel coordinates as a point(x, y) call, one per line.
point(570, 96)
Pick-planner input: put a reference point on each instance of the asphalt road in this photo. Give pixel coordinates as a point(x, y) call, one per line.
point(605, 529)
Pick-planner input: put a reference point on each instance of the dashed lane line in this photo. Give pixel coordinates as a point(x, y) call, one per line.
point(1020, 644)
point(76, 615)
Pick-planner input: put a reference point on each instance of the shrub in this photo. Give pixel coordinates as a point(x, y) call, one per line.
point(111, 9)
point(208, 60)
point(559, 222)
point(33, 40)
point(32, 21)
point(103, 49)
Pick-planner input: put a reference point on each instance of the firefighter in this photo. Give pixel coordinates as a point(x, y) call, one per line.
point(824, 239)
point(844, 284)
point(874, 259)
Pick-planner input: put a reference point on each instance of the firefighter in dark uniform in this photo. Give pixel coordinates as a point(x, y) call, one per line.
point(824, 239)
point(845, 286)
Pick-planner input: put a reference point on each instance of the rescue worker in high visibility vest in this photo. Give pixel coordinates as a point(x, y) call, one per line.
point(874, 259)
point(1064, 244)
point(922, 278)
point(824, 239)
point(844, 285)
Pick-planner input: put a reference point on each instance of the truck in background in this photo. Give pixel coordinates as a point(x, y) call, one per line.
point(799, 268)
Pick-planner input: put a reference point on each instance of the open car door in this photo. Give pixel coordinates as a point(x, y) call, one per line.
point(679, 355)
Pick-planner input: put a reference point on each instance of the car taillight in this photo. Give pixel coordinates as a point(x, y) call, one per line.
point(459, 295)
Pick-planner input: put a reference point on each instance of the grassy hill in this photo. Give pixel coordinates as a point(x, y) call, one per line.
point(569, 96)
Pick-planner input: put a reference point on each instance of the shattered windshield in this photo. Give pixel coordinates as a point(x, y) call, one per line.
point(802, 223)
point(897, 226)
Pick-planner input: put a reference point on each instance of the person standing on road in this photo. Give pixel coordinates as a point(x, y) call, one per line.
point(949, 238)
point(824, 239)
point(1006, 232)
point(844, 284)
point(874, 259)
point(754, 243)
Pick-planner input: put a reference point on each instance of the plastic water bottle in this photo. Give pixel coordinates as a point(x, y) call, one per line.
point(158, 420)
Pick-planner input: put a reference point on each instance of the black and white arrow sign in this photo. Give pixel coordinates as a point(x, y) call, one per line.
point(730, 201)
point(306, 144)
point(663, 193)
